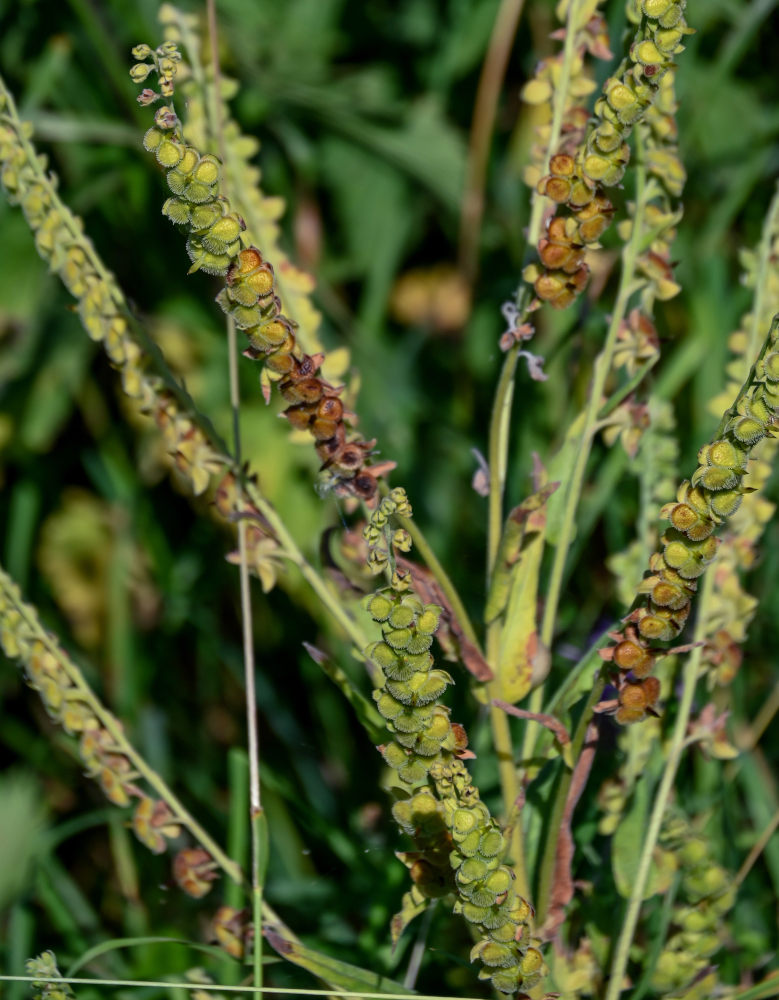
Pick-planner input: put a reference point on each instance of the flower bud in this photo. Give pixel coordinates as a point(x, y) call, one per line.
point(140, 71)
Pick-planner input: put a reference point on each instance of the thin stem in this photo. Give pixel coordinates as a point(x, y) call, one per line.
point(482, 127)
point(751, 736)
point(675, 750)
point(501, 411)
point(252, 722)
point(501, 729)
point(498, 456)
point(498, 448)
point(757, 850)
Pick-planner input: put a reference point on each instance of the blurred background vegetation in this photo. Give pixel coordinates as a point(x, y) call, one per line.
point(363, 111)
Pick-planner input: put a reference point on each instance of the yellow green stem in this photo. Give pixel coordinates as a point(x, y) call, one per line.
point(499, 436)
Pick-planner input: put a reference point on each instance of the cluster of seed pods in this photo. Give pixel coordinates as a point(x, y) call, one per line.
point(578, 182)
point(459, 846)
point(106, 760)
point(706, 893)
point(214, 245)
point(710, 497)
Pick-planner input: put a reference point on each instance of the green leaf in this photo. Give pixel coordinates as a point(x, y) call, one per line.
point(21, 822)
point(331, 970)
point(131, 942)
point(522, 658)
point(626, 850)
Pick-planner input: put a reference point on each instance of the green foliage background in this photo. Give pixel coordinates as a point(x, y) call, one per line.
point(363, 111)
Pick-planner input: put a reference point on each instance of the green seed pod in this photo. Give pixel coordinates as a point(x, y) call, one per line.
point(468, 847)
point(387, 706)
point(747, 430)
point(152, 138)
point(499, 881)
point(722, 452)
point(379, 607)
point(169, 153)
point(715, 477)
point(419, 643)
point(429, 619)
point(646, 53)
point(411, 719)
point(504, 933)
point(399, 669)
point(197, 192)
point(656, 8)
point(531, 962)
point(684, 518)
point(694, 852)
point(401, 616)
point(505, 981)
point(667, 40)
point(414, 770)
point(204, 260)
point(671, 17)
point(703, 882)
point(433, 687)
point(418, 661)
point(474, 914)
point(676, 553)
point(463, 823)
point(494, 955)
point(471, 870)
point(227, 230)
point(177, 211)
point(669, 595)
point(657, 629)
point(769, 367)
point(726, 504)
point(394, 755)
point(608, 137)
point(492, 844)
point(207, 170)
point(398, 638)
point(695, 920)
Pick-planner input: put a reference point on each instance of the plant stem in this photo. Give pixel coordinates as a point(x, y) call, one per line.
point(252, 722)
point(757, 850)
point(501, 410)
point(498, 460)
point(675, 750)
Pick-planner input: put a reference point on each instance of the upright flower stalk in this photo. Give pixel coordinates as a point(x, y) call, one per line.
point(576, 182)
point(459, 846)
point(198, 454)
point(214, 245)
point(707, 500)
